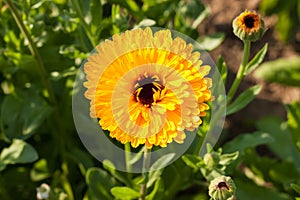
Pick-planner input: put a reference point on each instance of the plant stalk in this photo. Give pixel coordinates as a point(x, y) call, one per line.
point(146, 164)
point(34, 51)
point(240, 74)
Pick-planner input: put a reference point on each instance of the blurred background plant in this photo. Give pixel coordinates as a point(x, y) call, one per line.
point(42, 45)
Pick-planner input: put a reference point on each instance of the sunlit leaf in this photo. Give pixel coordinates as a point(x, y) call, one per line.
point(243, 99)
point(294, 120)
point(124, 193)
point(40, 170)
point(256, 61)
point(247, 140)
point(18, 152)
point(284, 71)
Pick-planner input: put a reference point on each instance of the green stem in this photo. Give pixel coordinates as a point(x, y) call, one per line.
point(240, 74)
point(146, 164)
point(127, 160)
point(83, 23)
point(34, 51)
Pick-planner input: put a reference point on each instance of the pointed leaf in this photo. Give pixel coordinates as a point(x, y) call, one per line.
point(257, 60)
point(121, 176)
point(192, 161)
point(157, 167)
point(158, 191)
point(124, 193)
point(243, 100)
point(222, 67)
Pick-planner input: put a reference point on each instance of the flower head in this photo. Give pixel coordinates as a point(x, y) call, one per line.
point(147, 88)
point(222, 188)
point(248, 26)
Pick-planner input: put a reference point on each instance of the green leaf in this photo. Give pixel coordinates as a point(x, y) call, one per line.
point(121, 176)
point(244, 141)
point(96, 13)
point(247, 190)
point(222, 67)
point(23, 116)
point(99, 183)
point(210, 42)
point(283, 145)
point(158, 191)
point(294, 120)
point(157, 167)
point(296, 187)
point(192, 161)
point(284, 71)
point(124, 193)
point(137, 156)
point(145, 23)
point(226, 159)
point(243, 100)
point(256, 61)
point(18, 152)
point(40, 170)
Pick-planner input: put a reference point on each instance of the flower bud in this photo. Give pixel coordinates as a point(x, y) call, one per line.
point(43, 191)
point(211, 160)
point(222, 188)
point(248, 26)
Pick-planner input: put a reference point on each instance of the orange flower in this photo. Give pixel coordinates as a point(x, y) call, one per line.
point(147, 88)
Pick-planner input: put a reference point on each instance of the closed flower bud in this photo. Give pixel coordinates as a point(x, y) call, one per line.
point(211, 160)
point(222, 188)
point(248, 26)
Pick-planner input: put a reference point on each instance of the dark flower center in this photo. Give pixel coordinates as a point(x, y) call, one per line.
point(145, 90)
point(249, 21)
point(222, 185)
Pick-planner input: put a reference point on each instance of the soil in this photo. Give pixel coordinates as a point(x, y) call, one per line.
point(272, 98)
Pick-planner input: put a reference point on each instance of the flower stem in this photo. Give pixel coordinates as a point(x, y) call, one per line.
point(240, 74)
point(34, 51)
point(83, 22)
point(127, 160)
point(146, 164)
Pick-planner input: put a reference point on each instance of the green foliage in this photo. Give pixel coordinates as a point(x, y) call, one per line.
point(288, 13)
point(284, 71)
point(18, 152)
point(243, 99)
point(38, 140)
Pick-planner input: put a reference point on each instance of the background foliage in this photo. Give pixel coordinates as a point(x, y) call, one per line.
point(38, 141)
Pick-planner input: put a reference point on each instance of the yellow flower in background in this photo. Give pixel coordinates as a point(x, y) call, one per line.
point(147, 88)
point(248, 26)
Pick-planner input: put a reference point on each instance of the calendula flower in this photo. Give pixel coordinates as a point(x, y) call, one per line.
point(147, 88)
point(222, 188)
point(248, 26)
